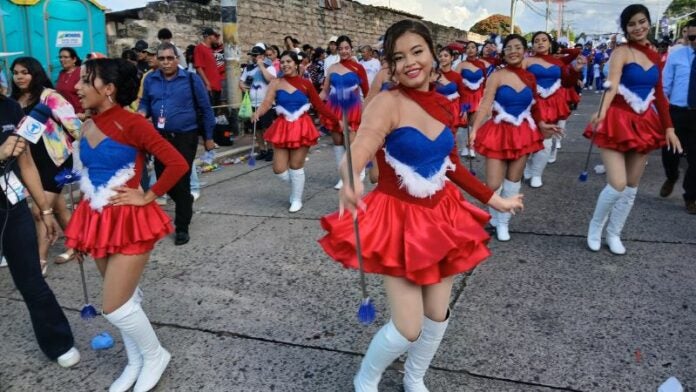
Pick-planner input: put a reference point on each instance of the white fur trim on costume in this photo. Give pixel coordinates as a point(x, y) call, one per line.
point(547, 92)
point(453, 96)
point(502, 115)
point(638, 104)
point(415, 184)
point(474, 86)
point(294, 115)
point(99, 197)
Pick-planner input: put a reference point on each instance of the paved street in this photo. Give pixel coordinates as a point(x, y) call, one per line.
point(253, 304)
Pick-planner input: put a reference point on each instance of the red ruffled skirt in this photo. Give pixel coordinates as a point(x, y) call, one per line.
point(554, 108)
point(354, 114)
point(408, 240)
point(292, 134)
point(128, 230)
point(625, 130)
point(472, 98)
point(572, 96)
point(507, 141)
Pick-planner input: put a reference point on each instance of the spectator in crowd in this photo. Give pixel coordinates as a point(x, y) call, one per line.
point(681, 41)
point(316, 68)
point(600, 58)
point(51, 327)
point(332, 56)
point(53, 152)
point(307, 50)
point(68, 78)
point(173, 107)
point(289, 43)
point(189, 58)
point(371, 64)
point(272, 53)
point(139, 50)
point(130, 55)
point(255, 79)
point(164, 35)
point(296, 44)
point(204, 61)
point(679, 84)
point(219, 54)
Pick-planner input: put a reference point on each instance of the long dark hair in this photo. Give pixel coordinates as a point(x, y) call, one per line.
point(39, 78)
point(395, 31)
point(630, 12)
point(342, 39)
point(122, 73)
point(548, 36)
point(73, 55)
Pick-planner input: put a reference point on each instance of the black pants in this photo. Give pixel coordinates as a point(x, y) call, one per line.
point(186, 143)
point(685, 127)
point(21, 250)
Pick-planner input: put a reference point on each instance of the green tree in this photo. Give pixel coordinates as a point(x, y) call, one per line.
point(679, 7)
point(497, 24)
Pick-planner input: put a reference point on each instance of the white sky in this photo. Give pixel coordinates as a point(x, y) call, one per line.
point(590, 16)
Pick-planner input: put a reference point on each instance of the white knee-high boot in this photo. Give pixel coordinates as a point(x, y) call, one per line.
point(386, 346)
point(509, 189)
point(537, 163)
point(338, 154)
point(132, 321)
point(605, 202)
point(421, 353)
point(617, 219)
point(135, 360)
point(284, 176)
point(297, 181)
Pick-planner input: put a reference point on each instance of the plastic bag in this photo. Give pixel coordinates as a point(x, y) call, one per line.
point(245, 111)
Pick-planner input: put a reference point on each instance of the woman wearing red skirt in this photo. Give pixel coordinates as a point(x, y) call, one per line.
point(549, 72)
point(633, 121)
point(474, 73)
point(417, 230)
point(345, 80)
point(511, 133)
point(116, 223)
point(450, 84)
point(293, 131)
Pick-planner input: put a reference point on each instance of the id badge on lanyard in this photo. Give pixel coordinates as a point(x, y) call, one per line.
point(13, 188)
point(161, 120)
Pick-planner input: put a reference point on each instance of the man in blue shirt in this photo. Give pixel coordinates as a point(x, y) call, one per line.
point(679, 81)
point(179, 112)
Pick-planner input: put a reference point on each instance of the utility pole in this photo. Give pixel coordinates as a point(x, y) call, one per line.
point(512, 16)
point(548, 14)
point(230, 36)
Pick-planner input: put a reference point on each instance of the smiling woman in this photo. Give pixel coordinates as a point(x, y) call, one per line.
point(417, 229)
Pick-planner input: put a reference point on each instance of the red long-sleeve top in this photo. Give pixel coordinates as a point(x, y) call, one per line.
point(134, 130)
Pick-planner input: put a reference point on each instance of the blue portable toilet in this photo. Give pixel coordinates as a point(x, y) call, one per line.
point(39, 28)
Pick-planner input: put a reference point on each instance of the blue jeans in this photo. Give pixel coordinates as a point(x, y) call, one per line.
point(21, 250)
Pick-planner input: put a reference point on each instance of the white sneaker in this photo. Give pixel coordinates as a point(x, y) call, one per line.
point(464, 151)
point(535, 182)
point(472, 153)
point(70, 358)
point(196, 195)
point(3, 262)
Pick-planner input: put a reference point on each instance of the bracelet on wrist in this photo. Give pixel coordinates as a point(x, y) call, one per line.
point(47, 212)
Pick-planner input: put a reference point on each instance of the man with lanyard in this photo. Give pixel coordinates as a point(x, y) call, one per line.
point(680, 71)
point(173, 106)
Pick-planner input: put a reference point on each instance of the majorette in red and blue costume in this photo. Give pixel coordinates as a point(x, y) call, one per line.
point(639, 113)
point(416, 224)
point(344, 93)
point(101, 229)
point(453, 90)
point(511, 132)
point(474, 84)
point(294, 128)
point(552, 102)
